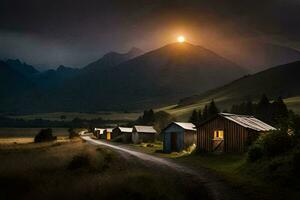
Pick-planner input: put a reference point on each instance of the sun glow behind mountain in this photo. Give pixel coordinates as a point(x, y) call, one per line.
point(181, 39)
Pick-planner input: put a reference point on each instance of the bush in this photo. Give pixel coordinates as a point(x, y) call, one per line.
point(72, 133)
point(45, 135)
point(276, 143)
point(255, 153)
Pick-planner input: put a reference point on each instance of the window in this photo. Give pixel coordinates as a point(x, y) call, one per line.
point(219, 134)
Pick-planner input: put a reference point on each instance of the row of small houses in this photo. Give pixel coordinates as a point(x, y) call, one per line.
point(224, 132)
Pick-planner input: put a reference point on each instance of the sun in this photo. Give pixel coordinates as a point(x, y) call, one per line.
point(181, 39)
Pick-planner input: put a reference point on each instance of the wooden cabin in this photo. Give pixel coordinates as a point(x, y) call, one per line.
point(124, 133)
point(107, 134)
point(178, 136)
point(229, 132)
point(99, 132)
point(143, 134)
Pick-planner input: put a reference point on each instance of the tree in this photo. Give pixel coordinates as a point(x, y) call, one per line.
point(205, 113)
point(212, 109)
point(249, 108)
point(72, 133)
point(194, 117)
point(45, 135)
point(279, 111)
point(263, 109)
point(200, 117)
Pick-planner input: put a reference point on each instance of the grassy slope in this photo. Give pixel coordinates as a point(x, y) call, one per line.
point(184, 112)
point(278, 81)
point(42, 171)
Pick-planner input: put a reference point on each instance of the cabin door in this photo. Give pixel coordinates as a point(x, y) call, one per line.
point(218, 141)
point(108, 136)
point(173, 141)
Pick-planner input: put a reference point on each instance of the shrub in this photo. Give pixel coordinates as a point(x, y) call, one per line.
point(45, 135)
point(72, 133)
point(276, 143)
point(255, 152)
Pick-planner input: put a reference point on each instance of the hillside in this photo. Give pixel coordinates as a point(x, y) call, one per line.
point(155, 78)
point(282, 81)
point(14, 86)
point(266, 54)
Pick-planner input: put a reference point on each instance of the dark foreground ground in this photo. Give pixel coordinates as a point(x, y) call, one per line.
point(78, 170)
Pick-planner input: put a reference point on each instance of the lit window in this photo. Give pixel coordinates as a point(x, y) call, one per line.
point(219, 134)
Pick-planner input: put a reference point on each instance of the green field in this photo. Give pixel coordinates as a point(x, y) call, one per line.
point(69, 116)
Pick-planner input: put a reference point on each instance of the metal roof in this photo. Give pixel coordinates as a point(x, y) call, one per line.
point(248, 122)
point(109, 129)
point(186, 126)
point(100, 130)
point(125, 129)
point(145, 129)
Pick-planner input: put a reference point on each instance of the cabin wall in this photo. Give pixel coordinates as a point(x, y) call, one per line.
point(174, 129)
point(147, 137)
point(190, 138)
point(116, 133)
point(135, 138)
point(126, 137)
point(235, 136)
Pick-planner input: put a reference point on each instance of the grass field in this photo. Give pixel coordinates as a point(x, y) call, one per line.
point(71, 115)
point(77, 170)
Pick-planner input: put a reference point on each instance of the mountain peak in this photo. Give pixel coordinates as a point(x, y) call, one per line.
point(135, 51)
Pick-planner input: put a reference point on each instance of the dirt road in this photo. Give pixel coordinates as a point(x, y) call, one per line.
point(215, 186)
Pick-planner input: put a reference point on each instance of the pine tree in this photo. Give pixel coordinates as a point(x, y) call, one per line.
point(212, 109)
point(263, 109)
point(279, 111)
point(200, 117)
point(205, 113)
point(194, 117)
point(249, 108)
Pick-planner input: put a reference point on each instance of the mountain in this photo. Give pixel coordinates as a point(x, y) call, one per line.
point(53, 78)
point(15, 87)
point(23, 68)
point(155, 78)
point(281, 81)
point(112, 59)
point(256, 55)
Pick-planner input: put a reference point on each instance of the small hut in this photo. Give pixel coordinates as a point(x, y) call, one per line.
point(178, 136)
point(107, 134)
point(124, 133)
point(99, 132)
point(143, 134)
point(227, 132)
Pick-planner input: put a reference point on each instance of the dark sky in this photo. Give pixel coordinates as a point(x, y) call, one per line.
point(74, 33)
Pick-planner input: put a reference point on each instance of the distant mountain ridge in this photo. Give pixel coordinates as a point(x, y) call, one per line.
point(154, 78)
point(136, 81)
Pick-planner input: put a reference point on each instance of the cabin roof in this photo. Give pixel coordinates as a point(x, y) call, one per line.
point(125, 129)
point(109, 129)
point(100, 129)
point(145, 129)
point(186, 126)
point(248, 122)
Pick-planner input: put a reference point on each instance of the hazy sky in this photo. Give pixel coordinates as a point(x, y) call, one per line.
point(74, 33)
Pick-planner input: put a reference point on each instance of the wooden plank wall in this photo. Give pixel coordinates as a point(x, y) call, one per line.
point(235, 136)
